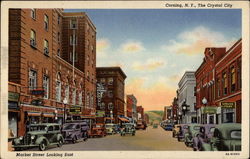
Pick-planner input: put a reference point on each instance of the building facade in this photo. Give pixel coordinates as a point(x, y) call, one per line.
point(187, 96)
point(131, 107)
point(140, 113)
point(51, 88)
point(112, 78)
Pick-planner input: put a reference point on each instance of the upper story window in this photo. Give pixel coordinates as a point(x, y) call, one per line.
point(218, 87)
point(110, 94)
point(233, 79)
point(110, 81)
point(80, 98)
point(224, 78)
point(67, 92)
point(33, 13)
point(102, 107)
point(73, 24)
point(58, 88)
point(110, 106)
point(58, 19)
point(46, 22)
point(32, 79)
point(73, 40)
point(58, 52)
point(46, 47)
point(46, 86)
point(74, 96)
point(87, 100)
point(33, 38)
point(58, 37)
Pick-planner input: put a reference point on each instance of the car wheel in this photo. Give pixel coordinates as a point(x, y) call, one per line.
point(86, 137)
point(42, 146)
point(74, 140)
point(60, 142)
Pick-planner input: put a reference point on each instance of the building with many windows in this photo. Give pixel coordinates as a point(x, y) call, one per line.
point(51, 85)
point(112, 102)
point(131, 107)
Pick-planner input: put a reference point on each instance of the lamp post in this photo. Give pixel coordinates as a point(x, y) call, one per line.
point(180, 117)
point(65, 101)
point(204, 101)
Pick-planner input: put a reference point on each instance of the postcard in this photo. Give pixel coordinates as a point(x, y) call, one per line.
point(124, 79)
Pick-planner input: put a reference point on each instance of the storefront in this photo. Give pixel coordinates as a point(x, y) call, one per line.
point(228, 112)
point(209, 115)
point(13, 112)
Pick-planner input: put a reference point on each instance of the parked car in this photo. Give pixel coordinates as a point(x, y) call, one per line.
point(183, 130)
point(204, 136)
point(193, 130)
point(226, 137)
point(155, 125)
point(169, 127)
point(128, 128)
point(110, 128)
point(75, 131)
point(40, 135)
point(98, 130)
point(176, 130)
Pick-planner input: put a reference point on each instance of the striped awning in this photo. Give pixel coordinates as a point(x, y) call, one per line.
point(123, 119)
point(34, 113)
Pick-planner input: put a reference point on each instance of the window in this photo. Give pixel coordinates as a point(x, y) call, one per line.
point(46, 86)
point(110, 81)
point(67, 92)
point(224, 83)
point(233, 79)
point(58, 37)
point(88, 60)
point(58, 88)
point(33, 13)
point(73, 40)
point(58, 19)
point(110, 106)
point(74, 96)
point(102, 106)
point(46, 22)
point(87, 100)
point(218, 87)
point(80, 98)
point(58, 52)
point(239, 74)
point(73, 24)
point(32, 79)
point(46, 47)
point(110, 94)
point(33, 38)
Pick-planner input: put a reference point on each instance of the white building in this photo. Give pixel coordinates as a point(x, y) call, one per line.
point(186, 94)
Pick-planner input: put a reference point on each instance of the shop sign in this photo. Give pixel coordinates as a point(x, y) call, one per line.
point(227, 105)
point(14, 97)
point(100, 113)
point(209, 110)
point(37, 102)
point(75, 110)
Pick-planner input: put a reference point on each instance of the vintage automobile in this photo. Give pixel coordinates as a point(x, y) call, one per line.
point(192, 131)
point(75, 131)
point(155, 125)
point(226, 137)
point(110, 128)
point(176, 130)
point(183, 130)
point(169, 127)
point(204, 135)
point(98, 130)
point(40, 135)
point(141, 125)
point(128, 128)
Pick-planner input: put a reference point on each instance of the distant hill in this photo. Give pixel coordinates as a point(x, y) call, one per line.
point(155, 115)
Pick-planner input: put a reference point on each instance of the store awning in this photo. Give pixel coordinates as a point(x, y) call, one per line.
point(209, 110)
point(34, 113)
point(49, 115)
point(88, 116)
point(123, 119)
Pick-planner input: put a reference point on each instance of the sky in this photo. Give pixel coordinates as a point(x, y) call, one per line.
point(154, 47)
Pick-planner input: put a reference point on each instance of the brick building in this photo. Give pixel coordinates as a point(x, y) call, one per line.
point(140, 113)
point(218, 79)
point(39, 67)
point(112, 78)
point(131, 107)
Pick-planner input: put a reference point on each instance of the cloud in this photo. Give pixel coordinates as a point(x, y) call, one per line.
point(192, 42)
point(152, 97)
point(102, 45)
point(149, 65)
point(132, 47)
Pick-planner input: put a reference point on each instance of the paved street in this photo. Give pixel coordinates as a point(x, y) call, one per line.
point(150, 139)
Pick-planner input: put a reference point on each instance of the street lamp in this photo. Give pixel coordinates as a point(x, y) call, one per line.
point(65, 101)
point(204, 101)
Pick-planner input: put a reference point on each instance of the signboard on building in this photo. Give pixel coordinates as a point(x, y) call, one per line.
point(227, 104)
point(75, 110)
point(14, 97)
point(100, 113)
point(37, 92)
point(100, 90)
point(209, 110)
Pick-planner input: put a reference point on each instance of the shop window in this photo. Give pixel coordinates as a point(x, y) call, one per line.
point(46, 86)
point(33, 38)
point(46, 22)
point(46, 47)
point(110, 81)
point(33, 13)
point(73, 24)
point(32, 79)
point(233, 79)
point(225, 83)
point(228, 115)
point(58, 88)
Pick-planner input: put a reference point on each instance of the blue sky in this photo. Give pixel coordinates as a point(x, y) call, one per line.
point(155, 47)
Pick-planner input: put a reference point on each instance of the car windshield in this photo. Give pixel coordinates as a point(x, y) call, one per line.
point(196, 127)
point(69, 126)
point(236, 134)
point(38, 128)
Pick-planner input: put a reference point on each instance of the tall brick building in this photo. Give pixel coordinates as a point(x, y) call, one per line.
point(112, 78)
point(131, 107)
point(41, 67)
